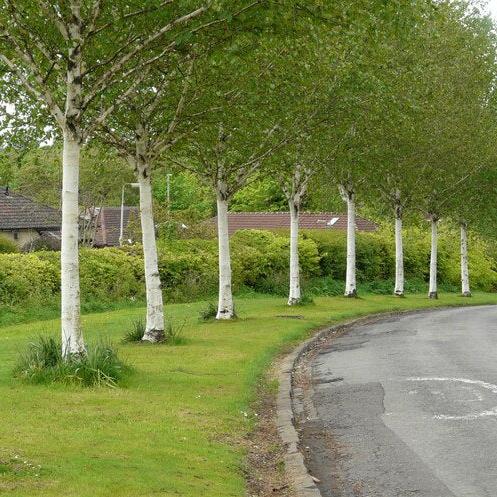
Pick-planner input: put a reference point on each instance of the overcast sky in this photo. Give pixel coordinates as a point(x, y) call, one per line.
point(492, 7)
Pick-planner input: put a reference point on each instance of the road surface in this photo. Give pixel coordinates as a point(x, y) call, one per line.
point(407, 407)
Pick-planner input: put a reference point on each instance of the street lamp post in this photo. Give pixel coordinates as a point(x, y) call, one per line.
point(121, 231)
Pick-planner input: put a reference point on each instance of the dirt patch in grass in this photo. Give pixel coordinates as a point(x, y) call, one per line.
point(265, 467)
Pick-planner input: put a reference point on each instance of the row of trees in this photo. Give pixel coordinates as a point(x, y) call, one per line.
point(393, 103)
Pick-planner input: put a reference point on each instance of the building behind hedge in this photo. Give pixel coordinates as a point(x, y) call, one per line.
point(281, 220)
point(25, 221)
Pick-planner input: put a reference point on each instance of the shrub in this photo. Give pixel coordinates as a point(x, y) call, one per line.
point(375, 254)
point(7, 246)
point(262, 254)
point(110, 273)
point(325, 285)
point(42, 363)
point(27, 277)
point(260, 260)
point(188, 268)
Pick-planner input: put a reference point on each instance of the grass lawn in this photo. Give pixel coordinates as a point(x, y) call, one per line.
point(177, 427)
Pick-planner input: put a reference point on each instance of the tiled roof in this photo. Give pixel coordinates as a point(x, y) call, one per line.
point(109, 225)
point(307, 220)
point(19, 212)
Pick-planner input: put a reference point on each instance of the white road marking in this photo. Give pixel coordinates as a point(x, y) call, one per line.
point(482, 384)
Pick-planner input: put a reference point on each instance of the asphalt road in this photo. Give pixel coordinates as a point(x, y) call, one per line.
point(407, 407)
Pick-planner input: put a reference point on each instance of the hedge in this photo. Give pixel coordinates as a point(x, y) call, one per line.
point(188, 268)
point(375, 254)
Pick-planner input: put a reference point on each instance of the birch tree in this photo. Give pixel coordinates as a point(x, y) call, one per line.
point(225, 163)
point(347, 155)
point(147, 124)
point(68, 55)
point(472, 205)
point(396, 131)
point(346, 169)
point(299, 84)
point(238, 134)
point(294, 189)
point(143, 128)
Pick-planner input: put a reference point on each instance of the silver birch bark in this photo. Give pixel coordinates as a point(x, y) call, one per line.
point(294, 295)
point(350, 276)
point(225, 308)
point(399, 253)
point(433, 291)
point(154, 328)
point(72, 336)
point(465, 288)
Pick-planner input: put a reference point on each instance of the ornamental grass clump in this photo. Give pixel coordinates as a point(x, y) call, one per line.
point(173, 334)
point(42, 363)
point(305, 299)
point(135, 334)
point(208, 313)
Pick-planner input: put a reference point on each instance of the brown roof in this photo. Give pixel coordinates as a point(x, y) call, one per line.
point(307, 220)
point(109, 225)
point(19, 212)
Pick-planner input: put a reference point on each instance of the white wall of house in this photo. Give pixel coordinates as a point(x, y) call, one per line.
point(21, 237)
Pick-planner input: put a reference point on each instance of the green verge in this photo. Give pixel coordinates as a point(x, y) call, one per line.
point(177, 429)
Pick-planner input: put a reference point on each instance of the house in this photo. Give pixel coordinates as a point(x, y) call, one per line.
point(108, 225)
point(281, 220)
point(24, 221)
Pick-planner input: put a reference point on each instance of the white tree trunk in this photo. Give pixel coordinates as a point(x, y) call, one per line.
point(154, 329)
point(350, 276)
point(225, 309)
point(294, 296)
point(399, 254)
point(433, 292)
point(72, 336)
point(466, 292)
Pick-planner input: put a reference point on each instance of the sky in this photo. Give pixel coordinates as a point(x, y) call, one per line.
point(492, 7)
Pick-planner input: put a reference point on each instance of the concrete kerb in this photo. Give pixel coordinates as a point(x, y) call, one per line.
point(299, 478)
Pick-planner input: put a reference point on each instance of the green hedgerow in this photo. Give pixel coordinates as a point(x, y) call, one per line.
point(42, 363)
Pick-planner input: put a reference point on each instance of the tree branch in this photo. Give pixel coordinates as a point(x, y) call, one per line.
point(104, 80)
point(43, 94)
point(37, 42)
point(48, 9)
point(94, 30)
point(106, 112)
